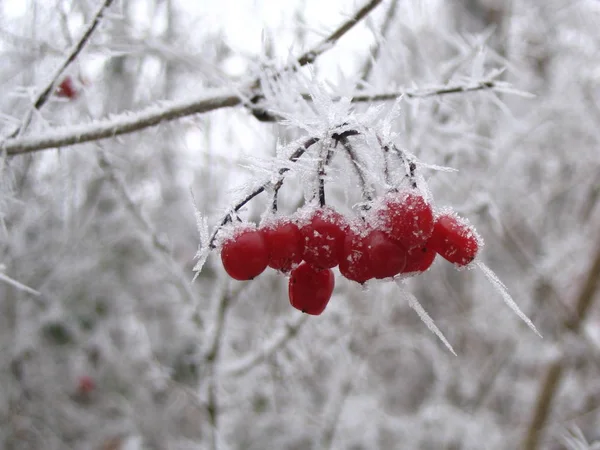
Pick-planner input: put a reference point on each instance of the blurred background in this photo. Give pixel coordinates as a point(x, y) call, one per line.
point(121, 351)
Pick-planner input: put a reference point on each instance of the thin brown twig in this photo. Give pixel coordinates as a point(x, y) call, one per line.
point(555, 371)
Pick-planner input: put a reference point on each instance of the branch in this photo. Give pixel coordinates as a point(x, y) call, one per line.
point(277, 185)
point(311, 55)
point(129, 122)
point(154, 115)
point(117, 125)
point(554, 372)
point(247, 363)
point(45, 93)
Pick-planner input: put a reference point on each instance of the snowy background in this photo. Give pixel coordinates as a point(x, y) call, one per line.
point(107, 344)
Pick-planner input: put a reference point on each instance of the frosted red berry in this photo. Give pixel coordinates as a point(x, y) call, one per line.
point(310, 288)
point(419, 259)
point(245, 255)
point(67, 89)
point(355, 264)
point(324, 235)
point(406, 217)
point(454, 239)
point(386, 257)
point(285, 244)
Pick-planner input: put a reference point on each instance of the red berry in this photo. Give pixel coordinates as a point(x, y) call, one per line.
point(67, 89)
point(85, 385)
point(324, 236)
point(419, 259)
point(284, 242)
point(406, 217)
point(245, 255)
point(454, 239)
point(310, 288)
point(387, 258)
point(355, 264)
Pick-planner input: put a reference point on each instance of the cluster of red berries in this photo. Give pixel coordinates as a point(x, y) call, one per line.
point(400, 234)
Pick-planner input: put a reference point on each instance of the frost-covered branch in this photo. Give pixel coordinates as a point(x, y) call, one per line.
point(279, 339)
point(75, 50)
point(130, 122)
point(327, 43)
point(552, 379)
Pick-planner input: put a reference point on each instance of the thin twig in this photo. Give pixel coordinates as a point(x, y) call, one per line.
point(555, 371)
point(311, 55)
point(375, 52)
point(367, 191)
point(75, 50)
point(129, 122)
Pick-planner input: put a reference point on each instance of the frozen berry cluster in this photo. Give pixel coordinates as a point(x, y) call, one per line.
point(399, 235)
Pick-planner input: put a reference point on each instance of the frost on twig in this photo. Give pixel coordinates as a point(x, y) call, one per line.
point(17, 284)
point(203, 245)
point(500, 287)
point(424, 316)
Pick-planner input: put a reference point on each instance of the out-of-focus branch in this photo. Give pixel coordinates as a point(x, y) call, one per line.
point(376, 50)
point(129, 122)
point(156, 243)
point(75, 50)
point(279, 339)
point(553, 377)
point(211, 357)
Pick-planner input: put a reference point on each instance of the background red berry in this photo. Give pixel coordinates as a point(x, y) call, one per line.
point(406, 217)
point(310, 288)
point(285, 244)
point(354, 263)
point(324, 236)
point(245, 255)
point(67, 89)
point(386, 257)
point(454, 239)
point(85, 385)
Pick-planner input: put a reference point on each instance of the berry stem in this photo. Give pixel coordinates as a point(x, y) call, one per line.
point(367, 191)
point(277, 185)
point(323, 163)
